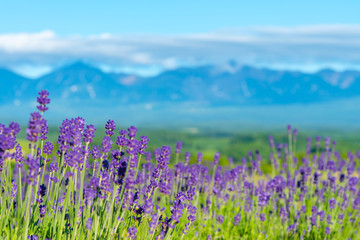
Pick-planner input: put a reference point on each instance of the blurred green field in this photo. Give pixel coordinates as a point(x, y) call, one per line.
point(229, 144)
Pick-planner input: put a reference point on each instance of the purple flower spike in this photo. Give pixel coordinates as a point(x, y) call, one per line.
point(164, 158)
point(89, 223)
point(44, 130)
point(14, 128)
point(33, 237)
point(318, 139)
point(216, 158)
point(144, 141)
point(220, 219)
point(191, 194)
point(271, 141)
point(289, 129)
point(132, 232)
point(89, 133)
point(53, 167)
point(34, 127)
point(332, 203)
point(48, 148)
point(199, 157)
point(178, 147)
point(42, 190)
point(43, 100)
point(295, 133)
point(237, 219)
point(132, 132)
point(328, 219)
point(122, 141)
point(187, 158)
point(106, 144)
point(110, 127)
point(19, 158)
point(149, 206)
point(14, 189)
point(42, 210)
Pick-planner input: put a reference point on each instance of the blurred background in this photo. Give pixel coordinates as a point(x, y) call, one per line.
point(219, 76)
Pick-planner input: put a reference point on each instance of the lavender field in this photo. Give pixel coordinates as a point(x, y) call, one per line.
point(74, 189)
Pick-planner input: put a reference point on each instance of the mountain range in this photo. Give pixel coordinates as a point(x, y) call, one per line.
point(209, 85)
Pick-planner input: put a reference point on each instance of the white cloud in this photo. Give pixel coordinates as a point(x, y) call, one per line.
point(309, 46)
point(28, 42)
point(141, 58)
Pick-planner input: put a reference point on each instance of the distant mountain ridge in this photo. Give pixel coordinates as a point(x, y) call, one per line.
point(208, 85)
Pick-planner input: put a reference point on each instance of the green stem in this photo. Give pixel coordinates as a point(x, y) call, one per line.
point(27, 211)
point(109, 215)
point(67, 200)
point(80, 197)
point(20, 199)
point(137, 168)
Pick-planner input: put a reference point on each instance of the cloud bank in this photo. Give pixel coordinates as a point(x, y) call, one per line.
point(279, 47)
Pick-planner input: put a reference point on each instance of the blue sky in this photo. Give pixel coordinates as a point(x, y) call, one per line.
point(146, 37)
point(168, 17)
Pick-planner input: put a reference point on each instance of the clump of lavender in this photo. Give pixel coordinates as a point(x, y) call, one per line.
point(75, 189)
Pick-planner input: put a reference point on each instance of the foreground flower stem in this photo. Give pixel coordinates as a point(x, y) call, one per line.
point(65, 208)
point(82, 173)
point(27, 211)
point(108, 217)
point(19, 195)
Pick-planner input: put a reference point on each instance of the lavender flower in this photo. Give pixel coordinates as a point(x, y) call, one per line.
point(48, 148)
point(332, 203)
point(328, 219)
point(216, 158)
point(199, 158)
point(132, 231)
point(271, 141)
point(164, 158)
point(149, 206)
point(295, 134)
point(178, 147)
point(110, 127)
point(122, 141)
point(34, 127)
point(237, 219)
point(89, 223)
point(144, 141)
point(187, 158)
point(53, 167)
point(190, 194)
point(89, 133)
point(220, 219)
point(105, 186)
point(42, 190)
point(132, 132)
point(42, 210)
point(74, 158)
point(14, 189)
point(19, 158)
point(43, 100)
point(44, 130)
point(106, 144)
